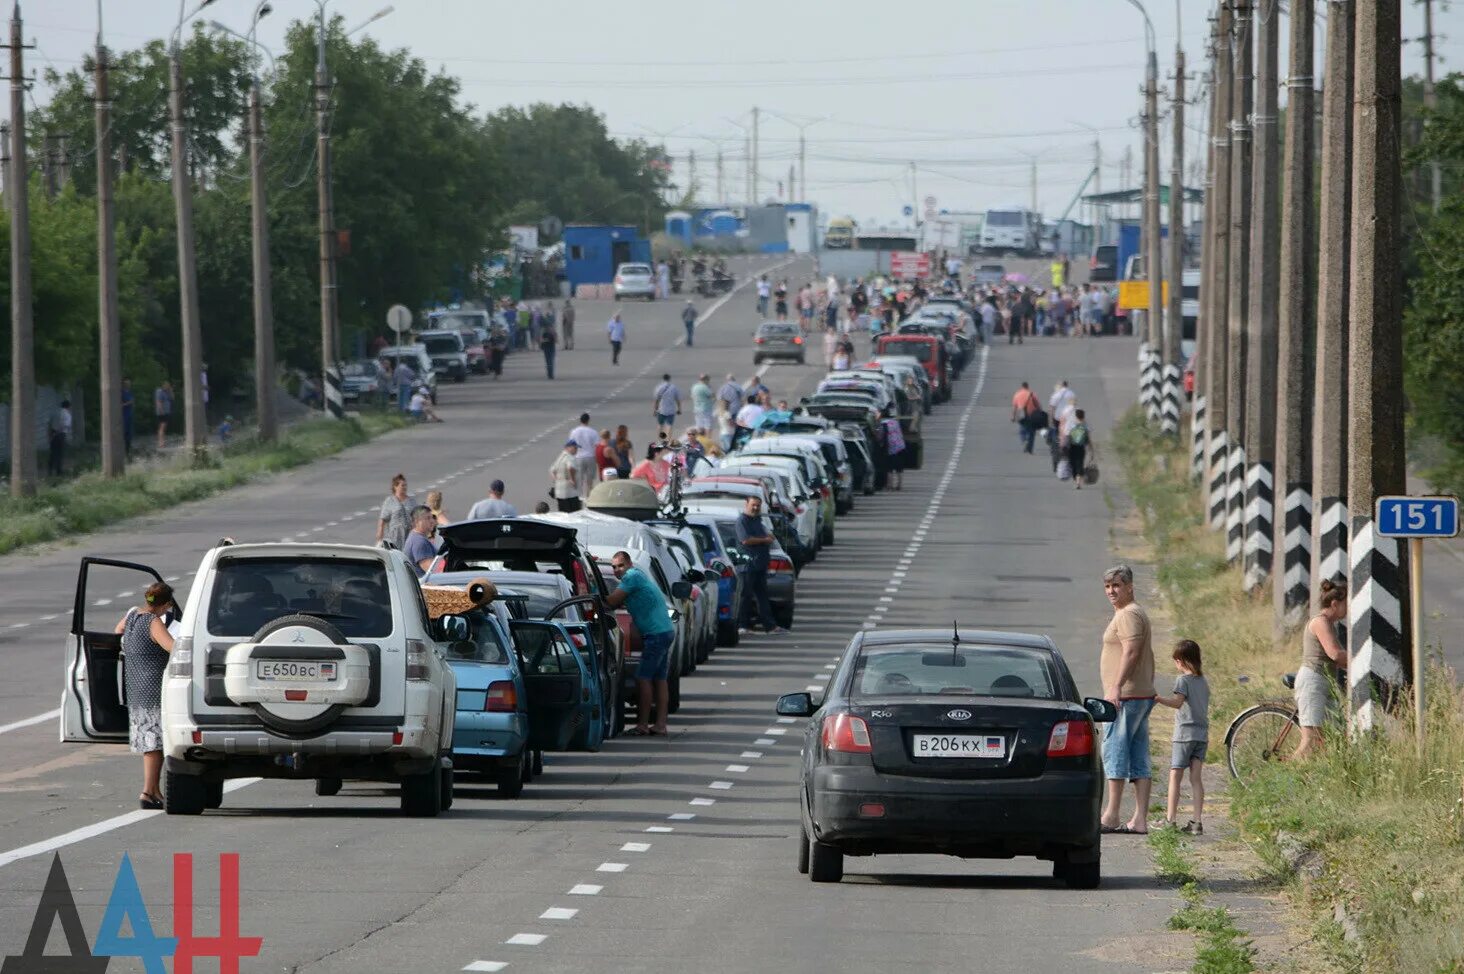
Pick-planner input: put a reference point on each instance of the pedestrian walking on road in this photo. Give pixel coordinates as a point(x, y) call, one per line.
point(163, 409)
point(895, 448)
point(757, 542)
point(59, 428)
point(548, 344)
point(566, 324)
point(586, 440)
point(764, 291)
point(615, 328)
point(688, 318)
point(1190, 699)
point(1126, 665)
point(563, 479)
point(647, 607)
point(1026, 412)
point(1323, 660)
point(396, 513)
point(497, 349)
point(701, 401)
point(624, 452)
point(780, 298)
point(731, 394)
point(493, 505)
point(146, 644)
point(666, 403)
point(1075, 433)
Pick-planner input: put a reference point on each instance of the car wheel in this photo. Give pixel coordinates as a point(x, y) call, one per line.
point(538, 766)
point(784, 616)
point(727, 634)
point(673, 701)
point(800, 360)
point(460, 377)
point(1082, 875)
point(828, 535)
point(184, 794)
point(1059, 868)
point(422, 793)
point(510, 781)
point(757, 360)
point(446, 783)
point(617, 297)
point(825, 863)
point(802, 850)
point(326, 787)
point(213, 794)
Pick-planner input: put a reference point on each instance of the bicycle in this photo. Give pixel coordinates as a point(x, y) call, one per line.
point(1260, 734)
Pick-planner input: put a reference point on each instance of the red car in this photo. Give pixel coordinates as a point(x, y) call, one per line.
point(477, 354)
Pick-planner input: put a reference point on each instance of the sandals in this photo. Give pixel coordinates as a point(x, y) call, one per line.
point(149, 803)
point(1193, 828)
point(638, 732)
point(1119, 830)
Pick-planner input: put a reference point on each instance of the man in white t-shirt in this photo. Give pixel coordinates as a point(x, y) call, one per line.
point(1061, 397)
point(585, 440)
point(764, 292)
point(748, 417)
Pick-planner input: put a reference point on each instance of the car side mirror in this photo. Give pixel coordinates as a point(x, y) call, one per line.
point(681, 590)
point(795, 705)
point(452, 629)
point(696, 577)
point(1102, 711)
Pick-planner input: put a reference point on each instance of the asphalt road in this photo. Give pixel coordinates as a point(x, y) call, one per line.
point(651, 855)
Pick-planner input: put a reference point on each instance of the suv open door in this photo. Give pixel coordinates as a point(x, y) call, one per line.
point(93, 704)
point(562, 687)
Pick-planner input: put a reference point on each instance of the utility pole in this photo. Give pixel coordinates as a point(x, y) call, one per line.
point(1200, 418)
point(1153, 251)
point(22, 325)
point(1240, 211)
point(721, 194)
point(1216, 355)
point(1174, 311)
point(329, 329)
point(802, 167)
point(264, 352)
point(48, 165)
point(1295, 338)
point(1334, 231)
point(63, 161)
point(1430, 100)
point(753, 199)
point(691, 174)
point(1262, 313)
point(114, 455)
point(791, 185)
point(195, 426)
point(914, 196)
point(1378, 583)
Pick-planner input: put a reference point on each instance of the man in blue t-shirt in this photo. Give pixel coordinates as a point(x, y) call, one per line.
point(647, 607)
point(418, 547)
point(755, 539)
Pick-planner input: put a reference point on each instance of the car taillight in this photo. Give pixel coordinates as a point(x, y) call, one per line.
point(758, 341)
point(824, 491)
point(780, 565)
point(502, 697)
point(728, 573)
point(846, 733)
point(797, 340)
point(180, 660)
point(417, 651)
point(1070, 739)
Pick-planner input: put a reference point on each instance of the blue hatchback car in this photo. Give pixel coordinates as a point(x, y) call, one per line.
point(729, 576)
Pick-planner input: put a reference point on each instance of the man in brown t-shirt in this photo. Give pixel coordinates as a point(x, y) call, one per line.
point(1127, 669)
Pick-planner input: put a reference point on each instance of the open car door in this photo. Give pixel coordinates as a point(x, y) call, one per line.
point(562, 688)
point(93, 707)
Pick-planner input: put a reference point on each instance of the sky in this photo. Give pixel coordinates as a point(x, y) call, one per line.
point(954, 100)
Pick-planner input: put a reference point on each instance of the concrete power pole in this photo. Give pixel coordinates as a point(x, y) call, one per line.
point(1378, 583)
point(1216, 355)
point(802, 168)
point(1240, 212)
point(195, 426)
point(264, 352)
point(22, 325)
point(1149, 365)
point(755, 147)
point(1295, 338)
point(1200, 417)
point(1430, 100)
point(721, 193)
point(334, 398)
point(1173, 311)
point(114, 454)
point(1262, 313)
point(1329, 430)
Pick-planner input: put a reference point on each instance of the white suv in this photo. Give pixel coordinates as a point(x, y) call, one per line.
point(301, 661)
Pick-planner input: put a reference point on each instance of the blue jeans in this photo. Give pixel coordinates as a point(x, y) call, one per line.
point(1126, 742)
point(655, 659)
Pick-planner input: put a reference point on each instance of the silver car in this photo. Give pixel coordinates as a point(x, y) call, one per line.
point(778, 340)
point(635, 281)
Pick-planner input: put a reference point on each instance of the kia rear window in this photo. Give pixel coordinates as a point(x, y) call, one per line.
point(971, 669)
point(353, 596)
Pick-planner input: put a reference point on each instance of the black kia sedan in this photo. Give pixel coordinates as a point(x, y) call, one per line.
point(960, 742)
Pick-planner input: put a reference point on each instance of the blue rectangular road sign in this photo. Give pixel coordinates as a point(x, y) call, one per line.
point(1417, 517)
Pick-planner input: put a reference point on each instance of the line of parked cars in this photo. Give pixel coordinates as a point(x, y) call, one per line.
point(453, 346)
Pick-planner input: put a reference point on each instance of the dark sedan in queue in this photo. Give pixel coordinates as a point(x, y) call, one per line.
point(959, 742)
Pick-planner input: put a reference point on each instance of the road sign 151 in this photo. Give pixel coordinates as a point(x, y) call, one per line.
point(1417, 517)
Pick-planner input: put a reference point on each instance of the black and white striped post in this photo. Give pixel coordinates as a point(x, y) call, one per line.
point(1198, 423)
point(1260, 508)
point(1219, 476)
point(1169, 400)
point(1149, 381)
point(1375, 621)
point(1296, 554)
point(1331, 550)
point(1235, 503)
point(335, 400)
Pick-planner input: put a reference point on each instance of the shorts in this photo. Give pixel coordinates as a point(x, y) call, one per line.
point(1314, 697)
point(145, 729)
point(1126, 742)
point(666, 419)
point(1185, 752)
point(655, 659)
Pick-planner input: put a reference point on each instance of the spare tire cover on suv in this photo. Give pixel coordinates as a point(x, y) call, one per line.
point(301, 639)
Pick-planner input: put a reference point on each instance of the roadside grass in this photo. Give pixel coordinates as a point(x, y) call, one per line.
point(90, 501)
point(1385, 821)
point(1222, 947)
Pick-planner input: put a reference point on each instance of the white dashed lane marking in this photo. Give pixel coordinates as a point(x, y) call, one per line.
point(486, 965)
point(659, 829)
point(765, 741)
point(751, 755)
point(612, 867)
point(558, 913)
point(737, 768)
point(636, 847)
point(702, 801)
point(585, 889)
point(527, 939)
point(720, 785)
point(681, 816)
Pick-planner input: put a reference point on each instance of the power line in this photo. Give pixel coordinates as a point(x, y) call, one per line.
point(840, 82)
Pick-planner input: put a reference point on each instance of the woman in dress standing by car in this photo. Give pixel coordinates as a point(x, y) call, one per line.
point(146, 644)
point(624, 452)
point(396, 520)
